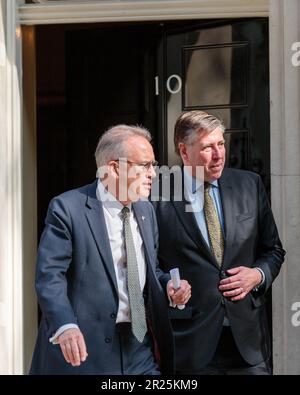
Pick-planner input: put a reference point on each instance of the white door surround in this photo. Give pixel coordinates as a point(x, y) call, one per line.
point(285, 166)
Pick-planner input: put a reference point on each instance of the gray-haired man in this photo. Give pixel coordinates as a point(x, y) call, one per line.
point(99, 288)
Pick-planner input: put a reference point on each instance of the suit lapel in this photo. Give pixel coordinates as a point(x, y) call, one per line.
point(96, 220)
point(188, 219)
point(191, 227)
point(226, 199)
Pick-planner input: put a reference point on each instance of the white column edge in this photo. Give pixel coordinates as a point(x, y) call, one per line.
point(14, 189)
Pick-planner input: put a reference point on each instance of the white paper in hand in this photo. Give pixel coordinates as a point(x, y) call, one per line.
point(175, 277)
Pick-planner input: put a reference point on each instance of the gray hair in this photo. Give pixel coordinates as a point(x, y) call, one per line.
point(111, 144)
point(191, 123)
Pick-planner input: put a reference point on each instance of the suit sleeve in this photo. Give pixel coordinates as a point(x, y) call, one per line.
point(270, 254)
point(54, 259)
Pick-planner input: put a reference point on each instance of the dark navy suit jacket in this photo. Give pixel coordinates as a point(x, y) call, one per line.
point(251, 240)
point(76, 283)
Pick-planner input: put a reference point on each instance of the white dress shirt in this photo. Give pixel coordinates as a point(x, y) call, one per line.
point(114, 224)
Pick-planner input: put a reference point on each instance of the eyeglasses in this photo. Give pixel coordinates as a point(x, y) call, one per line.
point(145, 166)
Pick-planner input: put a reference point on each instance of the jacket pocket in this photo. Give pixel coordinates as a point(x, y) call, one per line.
point(176, 314)
point(244, 216)
point(257, 301)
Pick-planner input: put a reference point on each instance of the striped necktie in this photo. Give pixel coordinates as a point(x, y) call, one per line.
point(136, 300)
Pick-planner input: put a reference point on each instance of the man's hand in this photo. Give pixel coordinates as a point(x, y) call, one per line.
point(73, 347)
point(241, 281)
point(180, 295)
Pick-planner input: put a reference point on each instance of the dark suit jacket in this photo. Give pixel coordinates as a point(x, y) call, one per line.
point(251, 240)
point(76, 283)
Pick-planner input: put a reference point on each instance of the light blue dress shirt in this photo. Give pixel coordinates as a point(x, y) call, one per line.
point(194, 193)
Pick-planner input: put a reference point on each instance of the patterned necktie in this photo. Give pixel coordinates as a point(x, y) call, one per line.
point(136, 300)
point(214, 229)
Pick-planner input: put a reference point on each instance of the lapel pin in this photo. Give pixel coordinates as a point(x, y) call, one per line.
point(143, 218)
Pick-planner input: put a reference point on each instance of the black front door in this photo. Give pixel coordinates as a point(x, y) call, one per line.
point(90, 78)
point(110, 74)
point(221, 67)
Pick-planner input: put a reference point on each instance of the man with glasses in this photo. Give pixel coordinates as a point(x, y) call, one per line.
point(100, 290)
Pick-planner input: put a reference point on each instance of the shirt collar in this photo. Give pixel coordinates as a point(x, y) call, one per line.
point(215, 183)
point(109, 201)
point(193, 185)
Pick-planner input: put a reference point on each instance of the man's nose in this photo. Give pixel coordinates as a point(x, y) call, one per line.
point(152, 171)
point(217, 153)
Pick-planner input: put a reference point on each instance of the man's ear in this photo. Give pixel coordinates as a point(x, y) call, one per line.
point(182, 148)
point(114, 167)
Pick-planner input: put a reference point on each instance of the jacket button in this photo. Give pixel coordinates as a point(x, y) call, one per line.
point(223, 274)
point(113, 315)
point(108, 340)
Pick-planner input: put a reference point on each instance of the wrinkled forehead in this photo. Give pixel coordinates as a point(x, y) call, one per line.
point(214, 134)
point(138, 148)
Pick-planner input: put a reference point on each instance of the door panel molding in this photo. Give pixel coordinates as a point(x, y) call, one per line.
point(108, 11)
